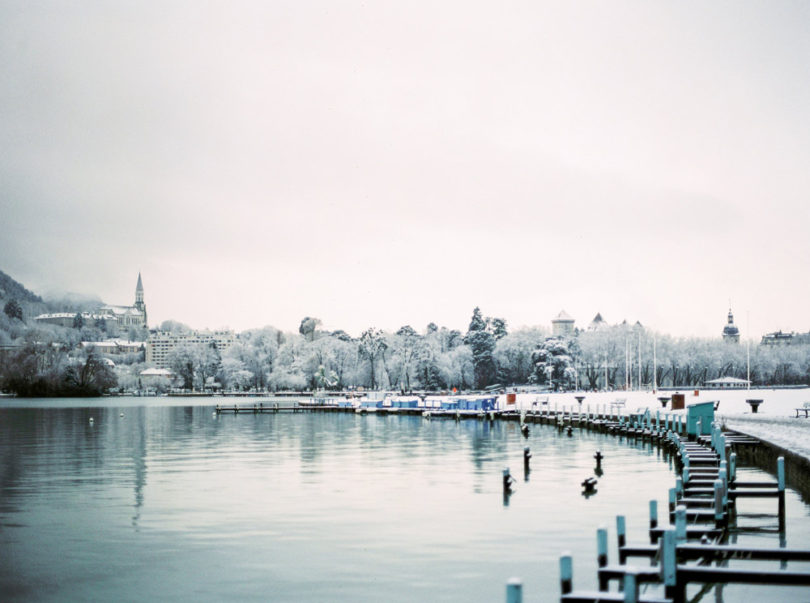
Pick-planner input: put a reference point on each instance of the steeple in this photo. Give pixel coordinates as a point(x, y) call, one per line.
point(139, 304)
point(139, 291)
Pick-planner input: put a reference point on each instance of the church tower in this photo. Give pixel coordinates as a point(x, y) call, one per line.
point(139, 304)
point(731, 333)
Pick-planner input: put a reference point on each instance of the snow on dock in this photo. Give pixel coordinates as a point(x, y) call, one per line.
point(775, 422)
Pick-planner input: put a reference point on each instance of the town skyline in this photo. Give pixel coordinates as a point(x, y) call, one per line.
point(578, 324)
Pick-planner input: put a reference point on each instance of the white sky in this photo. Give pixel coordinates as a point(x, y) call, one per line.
point(390, 163)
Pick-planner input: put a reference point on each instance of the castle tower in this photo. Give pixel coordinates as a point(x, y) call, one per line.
point(731, 333)
point(139, 303)
point(562, 325)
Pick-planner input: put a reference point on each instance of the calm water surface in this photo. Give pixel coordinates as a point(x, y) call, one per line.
point(170, 502)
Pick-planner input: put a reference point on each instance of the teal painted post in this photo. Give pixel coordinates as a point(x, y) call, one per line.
point(621, 531)
point(679, 487)
point(732, 468)
point(669, 560)
point(631, 586)
point(566, 573)
point(718, 503)
point(673, 497)
point(601, 546)
point(680, 523)
point(780, 480)
point(653, 514)
point(514, 591)
point(722, 475)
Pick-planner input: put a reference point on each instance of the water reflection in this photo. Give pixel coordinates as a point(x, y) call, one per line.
point(314, 507)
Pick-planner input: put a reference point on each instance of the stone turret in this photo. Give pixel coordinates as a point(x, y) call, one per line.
point(731, 333)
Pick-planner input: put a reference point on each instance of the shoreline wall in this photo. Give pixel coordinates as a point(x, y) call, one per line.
point(764, 456)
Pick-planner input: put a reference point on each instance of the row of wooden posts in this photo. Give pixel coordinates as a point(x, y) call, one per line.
point(701, 505)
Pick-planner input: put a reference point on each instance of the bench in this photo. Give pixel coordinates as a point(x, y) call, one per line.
point(805, 409)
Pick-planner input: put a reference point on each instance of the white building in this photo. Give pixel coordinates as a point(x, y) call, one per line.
point(161, 343)
point(562, 325)
point(727, 383)
point(111, 318)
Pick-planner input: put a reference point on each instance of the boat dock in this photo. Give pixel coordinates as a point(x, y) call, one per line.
point(703, 504)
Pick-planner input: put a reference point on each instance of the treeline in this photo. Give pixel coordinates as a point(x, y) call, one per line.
point(487, 353)
point(50, 369)
point(435, 359)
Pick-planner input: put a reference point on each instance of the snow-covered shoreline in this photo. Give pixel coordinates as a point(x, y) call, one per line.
point(775, 422)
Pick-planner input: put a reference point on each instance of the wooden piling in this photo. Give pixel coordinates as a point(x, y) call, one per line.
point(566, 573)
point(514, 591)
point(780, 480)
point(601, 547)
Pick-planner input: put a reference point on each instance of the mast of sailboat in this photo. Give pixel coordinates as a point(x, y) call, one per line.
point(639, 361)
point(655, 369)
point(748, 350)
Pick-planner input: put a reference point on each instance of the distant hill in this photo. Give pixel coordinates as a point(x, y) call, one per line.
point(11, 289)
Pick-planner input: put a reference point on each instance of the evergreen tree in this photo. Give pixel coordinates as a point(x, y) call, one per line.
point(13, 309)
point(482, 344)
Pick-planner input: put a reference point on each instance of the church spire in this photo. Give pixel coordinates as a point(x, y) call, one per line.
point(139, 291)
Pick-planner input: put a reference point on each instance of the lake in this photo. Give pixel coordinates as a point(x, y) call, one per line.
point(157, 499)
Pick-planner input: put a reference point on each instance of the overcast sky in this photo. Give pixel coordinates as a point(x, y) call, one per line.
point(391, 163)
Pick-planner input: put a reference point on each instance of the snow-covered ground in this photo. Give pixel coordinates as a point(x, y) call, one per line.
point(774, 422)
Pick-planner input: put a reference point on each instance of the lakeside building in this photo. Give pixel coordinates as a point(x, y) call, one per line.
point(115, 347)
point(112, 319)
point(731, 334)
point(160, 343)
point(562, 325)
point(778, 338)
point(727, 383)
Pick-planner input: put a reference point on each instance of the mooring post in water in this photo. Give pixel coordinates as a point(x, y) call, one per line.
point(524, 429)
point(653, 514)
point(732, 468)
point(718, 503)
point(566, 573)
point(621, 531)
point(631, 585)
point(679, 487)
point(514, 591)
point(598, 456)
point(601, 546)
point(685, 474)
point(780, 482)
point(507, 481)
point(680, 523)
point(669, 561)
point(527, 455)
point(673, 498)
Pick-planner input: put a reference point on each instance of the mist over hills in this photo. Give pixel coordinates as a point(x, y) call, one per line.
point(52, 301)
